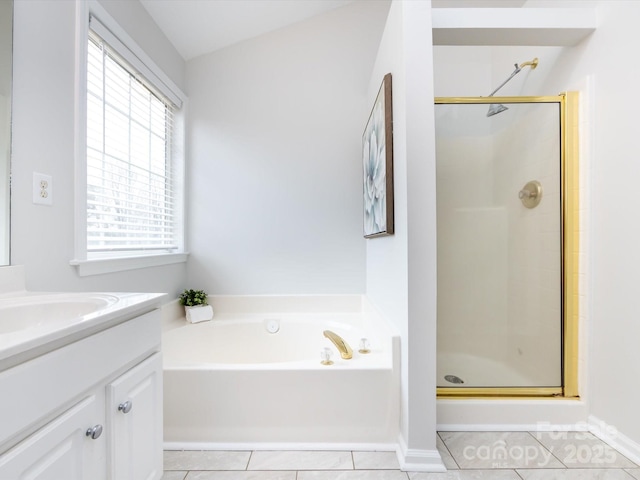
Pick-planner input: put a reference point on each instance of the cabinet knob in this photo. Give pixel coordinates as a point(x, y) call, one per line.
point(125, 407)
point(94, 432)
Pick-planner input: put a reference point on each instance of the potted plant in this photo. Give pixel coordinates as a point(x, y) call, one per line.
point(196, 307)
point(193, 298)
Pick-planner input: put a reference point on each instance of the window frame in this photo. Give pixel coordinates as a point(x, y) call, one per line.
point(118, 261)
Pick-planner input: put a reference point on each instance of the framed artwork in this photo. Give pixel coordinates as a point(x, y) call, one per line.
point(377, 163)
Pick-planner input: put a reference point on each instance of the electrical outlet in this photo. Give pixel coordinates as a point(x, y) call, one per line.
point(42, 189)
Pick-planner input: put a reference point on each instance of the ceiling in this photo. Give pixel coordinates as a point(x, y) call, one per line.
point(197, 27)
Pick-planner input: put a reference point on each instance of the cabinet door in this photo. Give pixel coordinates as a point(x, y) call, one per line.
point(135, 428)
point(61, 449)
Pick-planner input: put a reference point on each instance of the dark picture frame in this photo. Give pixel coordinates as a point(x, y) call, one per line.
point(377, 163)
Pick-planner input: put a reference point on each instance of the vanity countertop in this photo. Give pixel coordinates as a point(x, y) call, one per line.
point(33, 323)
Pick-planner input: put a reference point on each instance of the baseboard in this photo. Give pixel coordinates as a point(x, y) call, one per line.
point(610, 435)
point(358, 447)
point(414, 460)
point(511, 427)
point(509, 414)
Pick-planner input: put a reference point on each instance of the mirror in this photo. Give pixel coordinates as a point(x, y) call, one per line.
point(6, 35)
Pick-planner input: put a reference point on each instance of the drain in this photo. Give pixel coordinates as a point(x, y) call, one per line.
point(453, 379)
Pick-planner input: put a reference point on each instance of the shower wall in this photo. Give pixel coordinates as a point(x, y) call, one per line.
point(528, 149)
point(472, 265)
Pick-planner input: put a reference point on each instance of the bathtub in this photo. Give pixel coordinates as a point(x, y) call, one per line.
point(231, 384)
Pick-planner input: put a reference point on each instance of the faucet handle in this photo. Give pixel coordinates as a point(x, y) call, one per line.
point(364, 346)
point(325, 356)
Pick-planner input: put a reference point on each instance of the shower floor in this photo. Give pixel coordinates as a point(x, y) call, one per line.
point(477, 371)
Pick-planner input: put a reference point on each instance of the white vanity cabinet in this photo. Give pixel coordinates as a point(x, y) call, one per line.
point(134, 405)
point(60, 449)
point(89, 410)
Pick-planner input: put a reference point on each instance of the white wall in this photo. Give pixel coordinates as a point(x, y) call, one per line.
point(6, 21)
point(43, 141)
point(275, 172)
point(401, 269)
point(475, 71)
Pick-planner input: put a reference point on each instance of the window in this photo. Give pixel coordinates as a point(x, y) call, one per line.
point(133, 167)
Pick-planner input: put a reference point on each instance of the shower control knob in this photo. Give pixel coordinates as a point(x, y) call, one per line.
point(94, 432)
point(526, 194)
point(531, 194)
point(125, 407)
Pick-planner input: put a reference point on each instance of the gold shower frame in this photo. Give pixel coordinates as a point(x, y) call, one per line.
point(569, 151)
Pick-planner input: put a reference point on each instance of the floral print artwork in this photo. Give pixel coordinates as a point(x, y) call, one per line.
point(374, 160)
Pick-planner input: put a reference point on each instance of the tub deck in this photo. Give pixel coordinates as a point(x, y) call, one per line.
point(230, 384)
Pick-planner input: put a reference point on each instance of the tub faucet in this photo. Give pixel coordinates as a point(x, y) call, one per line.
point(342, 346)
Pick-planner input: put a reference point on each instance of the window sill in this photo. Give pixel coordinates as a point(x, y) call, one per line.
point(110, 265)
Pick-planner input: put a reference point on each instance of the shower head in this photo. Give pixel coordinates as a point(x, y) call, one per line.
point(496, 108)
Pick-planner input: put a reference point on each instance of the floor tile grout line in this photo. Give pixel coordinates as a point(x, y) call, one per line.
point(246, 468)
point(618, 452)
point(550, 451)
point(447, 447)
point(472, 467)
point(353, 461)
point(593, 438)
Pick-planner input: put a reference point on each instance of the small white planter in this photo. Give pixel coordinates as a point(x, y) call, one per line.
point(198, 313)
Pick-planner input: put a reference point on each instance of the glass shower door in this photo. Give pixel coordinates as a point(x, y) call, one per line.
point(499, 216)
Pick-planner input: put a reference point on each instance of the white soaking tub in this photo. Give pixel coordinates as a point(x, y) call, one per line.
point(231, 383)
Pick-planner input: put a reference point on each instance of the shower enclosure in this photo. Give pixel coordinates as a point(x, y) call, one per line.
point(507, 245)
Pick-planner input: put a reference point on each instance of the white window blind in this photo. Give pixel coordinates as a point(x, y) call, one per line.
point(131, 205)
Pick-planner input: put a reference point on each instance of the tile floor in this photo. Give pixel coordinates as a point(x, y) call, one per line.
point(467, 455)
